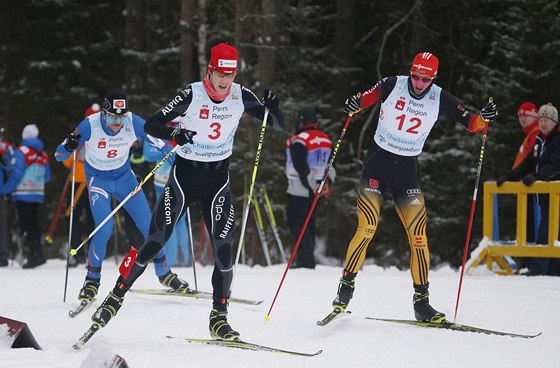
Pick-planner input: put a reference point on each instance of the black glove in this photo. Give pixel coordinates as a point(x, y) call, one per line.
point(72, 141)
point(3, 161)
point(352, 104)
point(182, 136)
point(271, 100)
point(529, 179)
point(501, 180)
point(489, 112)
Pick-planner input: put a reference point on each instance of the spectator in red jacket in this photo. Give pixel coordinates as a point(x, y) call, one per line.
point(528, 119)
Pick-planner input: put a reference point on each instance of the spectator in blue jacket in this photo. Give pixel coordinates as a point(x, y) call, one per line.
point(6, 152)
point(30, 173)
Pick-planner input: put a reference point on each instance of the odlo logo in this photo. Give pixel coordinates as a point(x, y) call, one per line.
point(219, 207)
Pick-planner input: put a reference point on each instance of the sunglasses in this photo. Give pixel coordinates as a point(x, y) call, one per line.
point(423, 79)
point(113, 119)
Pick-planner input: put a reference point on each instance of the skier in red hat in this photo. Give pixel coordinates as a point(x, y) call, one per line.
point(410, 106)
point(208, 113)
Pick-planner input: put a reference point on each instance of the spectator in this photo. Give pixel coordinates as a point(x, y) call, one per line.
point(307, 156)
point(528, 119)
point(26, 184)
point(6, 152)
point(541, 165)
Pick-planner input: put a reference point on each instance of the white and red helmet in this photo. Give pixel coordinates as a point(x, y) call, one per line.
point(425, 64)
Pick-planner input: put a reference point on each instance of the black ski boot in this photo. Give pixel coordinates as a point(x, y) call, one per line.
point(171, 280)
point(107, 310)
point(89, 290)
point(219, 326)
point(345, 291)
point(423, 311)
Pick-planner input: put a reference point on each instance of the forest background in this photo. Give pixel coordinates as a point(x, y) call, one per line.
point(57, 57)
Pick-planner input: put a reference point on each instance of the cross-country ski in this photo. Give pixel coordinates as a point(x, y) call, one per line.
point(246, 346)
point(192, 294)
point(455, 327)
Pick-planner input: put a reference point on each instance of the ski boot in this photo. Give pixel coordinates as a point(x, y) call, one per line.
point(345, 291)
point(423, 311)
point(89, 290)
point(220, 328)
point(107, 310)
point(171, 280)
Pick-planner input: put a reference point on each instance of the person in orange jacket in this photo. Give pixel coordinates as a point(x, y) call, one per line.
point(81, 202)
point(528, 119)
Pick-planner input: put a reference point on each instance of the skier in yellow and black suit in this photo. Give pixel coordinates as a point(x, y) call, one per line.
point(410, 106)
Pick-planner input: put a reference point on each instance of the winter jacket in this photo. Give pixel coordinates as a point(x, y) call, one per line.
point(531, 133)
point(30, 172)
point(543, 163)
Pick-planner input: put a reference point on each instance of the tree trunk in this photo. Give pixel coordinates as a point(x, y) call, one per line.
point(202, 36)
point(343, 49)
point(244, 39)
point(268, 42)
point(133, 43)
point(187, 42)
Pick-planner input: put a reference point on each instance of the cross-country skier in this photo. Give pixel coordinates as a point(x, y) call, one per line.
point(410, 106)
point(108, 136)
point(209, 113)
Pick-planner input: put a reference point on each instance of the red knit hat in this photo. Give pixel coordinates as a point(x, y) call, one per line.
point(425, 65)
point(527, 108)
point(223, 58)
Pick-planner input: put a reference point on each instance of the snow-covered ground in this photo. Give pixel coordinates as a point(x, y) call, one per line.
point(515, 304)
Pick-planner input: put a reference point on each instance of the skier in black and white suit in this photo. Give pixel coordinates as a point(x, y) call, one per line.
point(209, 113)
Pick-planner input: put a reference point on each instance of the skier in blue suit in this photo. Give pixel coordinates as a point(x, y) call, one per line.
point(108, 136)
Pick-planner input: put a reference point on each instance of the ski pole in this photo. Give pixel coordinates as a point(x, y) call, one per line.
point(251, 188)
point(52, 228)
point(260, 229)
point(134, 192)
point(191, 246)
point(71, 224)
point(272, 219)
point(310, 212)
point(473, 204)
point(78, 195)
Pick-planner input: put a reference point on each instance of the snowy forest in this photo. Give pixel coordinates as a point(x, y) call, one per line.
point(57, 57)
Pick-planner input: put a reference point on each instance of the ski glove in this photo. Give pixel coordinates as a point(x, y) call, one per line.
point(352, 104)
point(182, 136)
point(72, 141)
point(489, 112)
point(271, 100)
point(529, 179)
point(502, 179)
